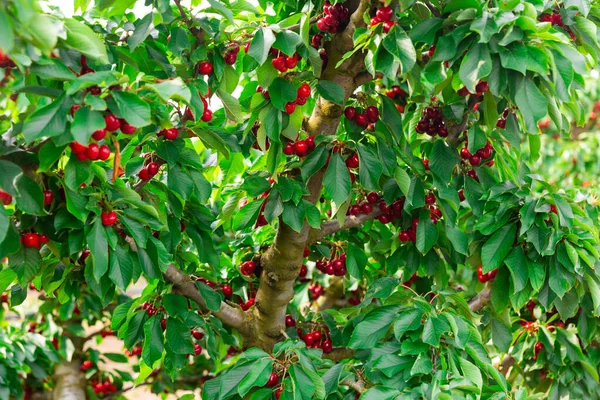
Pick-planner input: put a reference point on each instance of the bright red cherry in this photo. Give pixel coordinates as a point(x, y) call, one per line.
point(384, 13)
point(93, 151)
point(5, 198)
point(475, 160)
point(44, 239)
point(104, 152)
point(112, 123)
point(310, 141)
point(171, 133)
point(290, 107)
point(74, 108)
point(304, 90)
point(404, 236)
point(48, 197)
point(205, 68)
point(108, 218)
point(327, 346)
point(230, 58)
point(197, 335)
point(77, 147)
point(361, 119)
point(99, 134)
point(375, 21)
point(288, 149)
point(291, 62)
point(197, 349)
point(366, 208)
point(207, 115)
point(273, 379)
point(350, 112)
point(152, 168)
point(372, 197)
point(465, 154)
point(352, 161)
point(144, 175)
point(316, 40)
point(430, 198)
point(126, 128)
point(31, 240)
point(300, 148)
point(387, 26)
point(81, 156)
point(227, 290)
point(482, 87)
point(279, 64)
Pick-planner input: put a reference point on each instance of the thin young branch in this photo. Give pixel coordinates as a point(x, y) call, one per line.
point(456, 131)
point(182, 283)
point(433, 9)
point(357, 386)
point(331, 227)
point(481, 299)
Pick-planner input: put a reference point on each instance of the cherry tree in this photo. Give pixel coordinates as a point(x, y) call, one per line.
point(319, 200)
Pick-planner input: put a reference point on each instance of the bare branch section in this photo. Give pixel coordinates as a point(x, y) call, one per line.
point(455, 132)
point(357, 386)
point(481, 299)
point(70, 382)
point(229, 315)
point(331, 227)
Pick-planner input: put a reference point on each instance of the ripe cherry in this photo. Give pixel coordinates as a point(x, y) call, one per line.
point(316, 40)
point(352, 161)
point(375, 21)
point(144, 175)
point(248, 267)
point(108, 218)
point(327, 346)
point(350, 112)
point(430, 198)
point(290, 108)
point(372, 197)
point(227, 290)
point(310, 141)
point(205, 68)
point(99, 134)
point(93, 151)
point(273, 379)
point(112, 123)
point(279, 64)
point(163, 324)
point(289, 321)
point(104, 152)
point(230, 58)
point(475, 160)
point(482, 87)
point(304, 90)
point(361, 119)
point(372, 114)
point(126, 128)
point(461, 195)
point(403, 236)
point(48, 197)
point(74, 108)
point(384, 13)
point(465, 154)
point(44, 239)
point(198, 335)
point(77, 147)
point(5, 198)
point(152, 168)
point(387, 26)
point(207, 115)
point(291, 62)
point(288, 149)
point(31, 240)
point(366, 208)
point(300, 148)
point(197, 349)
point(171, 133)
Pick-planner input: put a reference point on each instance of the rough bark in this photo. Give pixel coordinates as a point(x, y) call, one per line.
point(282, 261)
point(70, 382)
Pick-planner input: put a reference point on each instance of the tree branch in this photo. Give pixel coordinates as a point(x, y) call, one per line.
point(434, 11)
point(338, 354)
point(481, 299)
point(182, 283)
point(456, 131)
point(331, 227)
point(358, 386)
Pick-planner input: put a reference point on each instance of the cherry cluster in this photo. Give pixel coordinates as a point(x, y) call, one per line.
point(432, 122)
point(246, 305)
point(149, 170)
point(483, 278)
point(283, 63)
point(482, 155)
point(397, 93)
point(150, 308)
point(247, 268)
point(102, 389)
point(108, 218)
point(34, 240)
point(231, 56)
point(334, 266)
point(480, 89)
point(384, 15)
point(501, 123)
point(300, 148)
point(556, 20)
point(335, 18)
point(370, 115)
point(136, 351)
point(316, 290)
point(317, 338)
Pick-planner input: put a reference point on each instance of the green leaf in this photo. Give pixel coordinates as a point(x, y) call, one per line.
point(26, 263)
point(517, 264)
point(356, 261)
point(433, 330)
point(143, 27)
point(314, 162)
point(501, 335)
point(135, 329)
point(401, 47)
point(212, 298)
point(178, 337)
point(293, 215)
point(261, 45)
point(281, 92)
point(29, 198)
point(48, 155)
point(98, 243)
point(370, 168)
point(514, 56)
point(287, 41)
point(427, 233)
point(231, 105)
point(49, 121)
point(402, 179)
point(442, 160)
point(531, 102)
point(121, 267)
point(337, 179)
point(81, 38)
point(497, 247)
point(372, 328)
point(257, 376)
point(486, 26)
point(331, 91)
point(154, 342)
point(247, 215)
point(131, 107)
point(7, 37)
point(305, 388)
point(476, 64)
point(407, 321)
point(175, 89)
point(471, 372)
point(86, 122)
point(380, 393)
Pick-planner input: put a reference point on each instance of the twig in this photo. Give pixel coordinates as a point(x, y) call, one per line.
point(332, 227)
point(456, 131)
point(481, 299)
point(432, 8)
point(358, 386)
point(117, 162)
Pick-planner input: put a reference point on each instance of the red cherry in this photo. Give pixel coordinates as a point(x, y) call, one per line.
point(372, 197)
point(327, 346)
point(230, 58)
point(227, 290)
point(172, 133)
point(205, 68)
point(387, 25)
point(316, 40)
point(317, 336)
point(87, 364)
point(482, 87)
point(404, 236)
point(5, 198)
point(48, 197)
point(465, 154)
point(501, 123)
point(207, 115)
point(288, 150)
point(304, 90)
point(144, 175)
point(31, 240)
point(163, 324)
point(99, 134)
point(126, 128)
point(197, 335)
point(250, 302)
point(108, 218)
point(279, 64)
point(44, 239)
point(385, 13)
point(309, 339)
point(278, 393)
point(290, 108)
point(104, 152)
point(350, 112)
point(74, 108)
point(461, 195)
point(197, 349)
point(77, 147)
point(475, 160)
point(273, 379)
point(84, 254)
point(483, 278)
point(366, 208)
point(291, 62)
point(248, 267)
point(372, 114)
point(361, 119)
point(375, 21)
point(289, 321)
point(303, 271)
point(246, 47)
point(384, 219)
point(300, 148)
point(463, 91)
point(430, 198)
point(354, 210)
point(352, 161)
point(310, 141)
point(93, 151)
point(152, 169)
point(112, 123)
